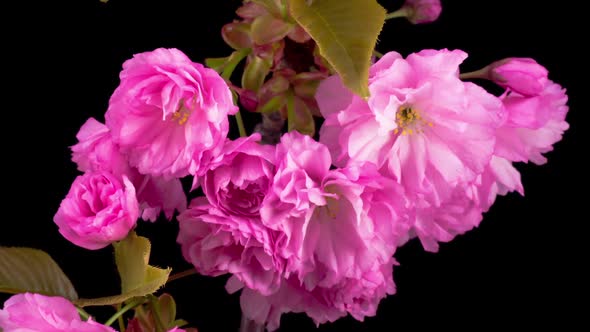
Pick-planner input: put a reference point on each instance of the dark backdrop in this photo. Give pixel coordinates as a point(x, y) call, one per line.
point(522, 267)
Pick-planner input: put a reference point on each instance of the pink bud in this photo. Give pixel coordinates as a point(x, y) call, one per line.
point(522, 75)
point(248, 100)
point(423, 11)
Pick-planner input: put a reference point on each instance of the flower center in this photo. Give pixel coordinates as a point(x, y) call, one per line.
point(409, 121)
point(332, 206)
point(181, 116)
point(332, 203)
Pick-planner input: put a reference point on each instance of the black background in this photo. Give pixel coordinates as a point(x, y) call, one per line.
point(521, 268)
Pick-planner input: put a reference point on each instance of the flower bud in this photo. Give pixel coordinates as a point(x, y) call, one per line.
point(522, 75)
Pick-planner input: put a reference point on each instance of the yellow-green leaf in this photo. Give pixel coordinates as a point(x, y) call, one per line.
point(216, 64)
point(275, 7)
point(346, 33)
point(268, 29)
point(237, 35)
point(137, 277)
point(132, 256)
point(255, 72)
point(304, 122)
point(31, 270)
point(272, 105)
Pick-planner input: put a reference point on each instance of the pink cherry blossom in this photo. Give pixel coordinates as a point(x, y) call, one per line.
point(456, 215)
point(223, 233)
point(98, 210)
point(423, 127)
point(238, 179)
point(358, 296)
point(96, 151)
point(423, 11)
point(217, 243)
point(337, 227)
point(169, 114)
point(533, 124)
point(34, 312)
point(522, 75)
point(499, 178)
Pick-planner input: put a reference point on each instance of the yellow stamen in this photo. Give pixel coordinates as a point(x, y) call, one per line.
point(409, 121)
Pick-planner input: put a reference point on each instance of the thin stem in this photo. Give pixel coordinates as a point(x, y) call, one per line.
point(291, 111)
point(377, 54)
point(240, 122)
point(182, 274)
point(402, 12)
point(233, 62)
point(83, 314)
point(120, 320)
point(123, 310)
point(482, 73)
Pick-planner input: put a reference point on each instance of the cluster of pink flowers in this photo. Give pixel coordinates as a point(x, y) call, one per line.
point(167, 119)
point(423, 157)
point(308, 226)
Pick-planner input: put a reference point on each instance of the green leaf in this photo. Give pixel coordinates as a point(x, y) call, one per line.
point(303, 119)
point(179, 323)
point(346, 33)
point(132, 256)
point(216, 64)
point(137, 277)
point(167, 309)
point(275, 7)
point(255, 72)
point(31, 270)
point(274, 104)
point(237, 35)
point(267, 29)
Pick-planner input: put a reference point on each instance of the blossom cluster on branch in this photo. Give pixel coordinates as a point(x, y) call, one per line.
point(302, 225)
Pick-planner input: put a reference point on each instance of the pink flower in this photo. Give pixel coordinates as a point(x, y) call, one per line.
point(217, 243)
point(98, 210)
point(238, 179)
point(358, 296)
point(96, 151)
point(499, 178)
point(223, 233)
point(522, 75)
point(157, 194)
point(423, 11)
point(34, 312)
point(337, 227)
point(423, 127)
point(169, 114)
point(441, 223)
point(533, 125)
